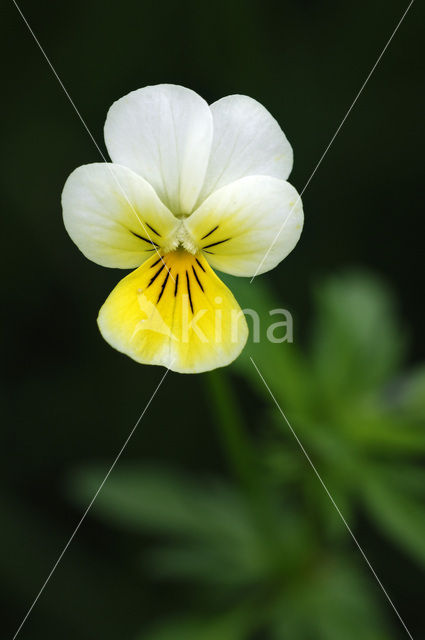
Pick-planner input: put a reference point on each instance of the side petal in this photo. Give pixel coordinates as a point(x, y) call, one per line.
point(240, 223)
point(247, 141)
point(114, 216)
point(164, 134)
point(174, 312)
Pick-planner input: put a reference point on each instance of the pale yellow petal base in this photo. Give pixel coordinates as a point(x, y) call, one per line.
point(174, 311)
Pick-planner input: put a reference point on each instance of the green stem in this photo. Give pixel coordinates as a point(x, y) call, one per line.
point(230, 424)
point(242, 456)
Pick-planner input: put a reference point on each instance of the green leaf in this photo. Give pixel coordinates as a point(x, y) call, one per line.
point(381, 429)
point(281, 364)
point(334, 602)
point(396, 503)
point(357, 341)
point(164, 501)
point(212, 532)
point(412, 396)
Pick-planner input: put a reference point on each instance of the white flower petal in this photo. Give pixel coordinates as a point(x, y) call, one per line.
point(242, 222)
point(114, 216)
point(247, 141)
point(164, 134)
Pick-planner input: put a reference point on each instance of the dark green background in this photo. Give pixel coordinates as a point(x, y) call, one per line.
point(70, 399)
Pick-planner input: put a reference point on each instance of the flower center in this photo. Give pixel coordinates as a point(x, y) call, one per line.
point(182, 239)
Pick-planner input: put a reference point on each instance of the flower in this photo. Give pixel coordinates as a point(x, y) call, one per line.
point(191, 187)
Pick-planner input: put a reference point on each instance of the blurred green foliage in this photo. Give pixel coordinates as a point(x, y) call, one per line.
point(263, 553)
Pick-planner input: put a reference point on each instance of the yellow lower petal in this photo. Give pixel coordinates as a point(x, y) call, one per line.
point(174, 311)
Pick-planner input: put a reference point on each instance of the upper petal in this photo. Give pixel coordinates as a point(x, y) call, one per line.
point(114, 216)
point(164, 134)
point(247, 141)
point(251, 222)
